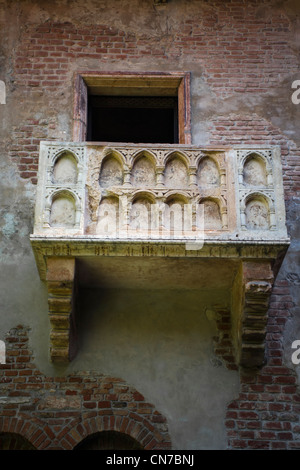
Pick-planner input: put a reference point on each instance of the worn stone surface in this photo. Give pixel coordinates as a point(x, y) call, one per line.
point(151, 192)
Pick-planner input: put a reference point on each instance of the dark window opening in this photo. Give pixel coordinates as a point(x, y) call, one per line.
point(133, 119)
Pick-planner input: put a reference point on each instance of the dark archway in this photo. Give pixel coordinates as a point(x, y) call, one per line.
point(109, 440)
point(12, 441)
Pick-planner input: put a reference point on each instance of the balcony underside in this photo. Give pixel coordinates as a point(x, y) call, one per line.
point(243, 274)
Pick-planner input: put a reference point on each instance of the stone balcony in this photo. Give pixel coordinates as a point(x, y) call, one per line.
point(169, 215)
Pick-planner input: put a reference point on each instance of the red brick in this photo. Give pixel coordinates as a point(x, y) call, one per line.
point(285, 380)
point(239, 443)
point(278, 445)
point(104, 404)
point(267, 435)
point(285, 436)
point(230, 423)
point(248, 415)
point(137, 396)
point(256, 444)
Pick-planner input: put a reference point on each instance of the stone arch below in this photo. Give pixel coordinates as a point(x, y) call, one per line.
point(109, 440)
point(120, 407)
point(22, 434)
point(14, 441)
point(131, 430)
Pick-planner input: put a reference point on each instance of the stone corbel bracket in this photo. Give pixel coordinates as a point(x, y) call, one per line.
point(62, 294)
point(253, 285)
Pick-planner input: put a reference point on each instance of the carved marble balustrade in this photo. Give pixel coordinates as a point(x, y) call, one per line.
point(162, 202)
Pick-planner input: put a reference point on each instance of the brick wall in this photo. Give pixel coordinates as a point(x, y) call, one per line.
point(240, 51)
point(59, 412)
point(254, 130)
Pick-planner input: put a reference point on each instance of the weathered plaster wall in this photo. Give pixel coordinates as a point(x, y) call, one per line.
point(162, 341)
point(243, 59)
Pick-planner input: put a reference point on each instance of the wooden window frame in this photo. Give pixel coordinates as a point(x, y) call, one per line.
point(132, 84)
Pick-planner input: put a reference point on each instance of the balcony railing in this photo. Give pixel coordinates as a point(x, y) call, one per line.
point(159, 192)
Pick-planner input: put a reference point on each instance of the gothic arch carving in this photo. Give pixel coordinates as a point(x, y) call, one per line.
point(61, 152)
point(142, 217)
point(142, 194)
point(255, 170)
point(176, 218)
point(143, 174)
point(65, 169)
point(257, 212)
point(176, 171)
point(180, 195)
point(111, 152)
point(208, 172)
point(212, 213)
point(63, 209)
point(143, 153)
point(178, 154)
point(108, 217)
point(111, 171)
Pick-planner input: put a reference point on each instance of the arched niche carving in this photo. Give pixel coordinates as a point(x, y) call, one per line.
point(211, 214)
point(108, 217)
point(63, 210)
point(143, 172)
point(208, 173)
point(257, 213)
point(177, 218)
point(176, 172)
point(111, 172)
point(255, 170)
point(142, 218)
point(65, 169)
